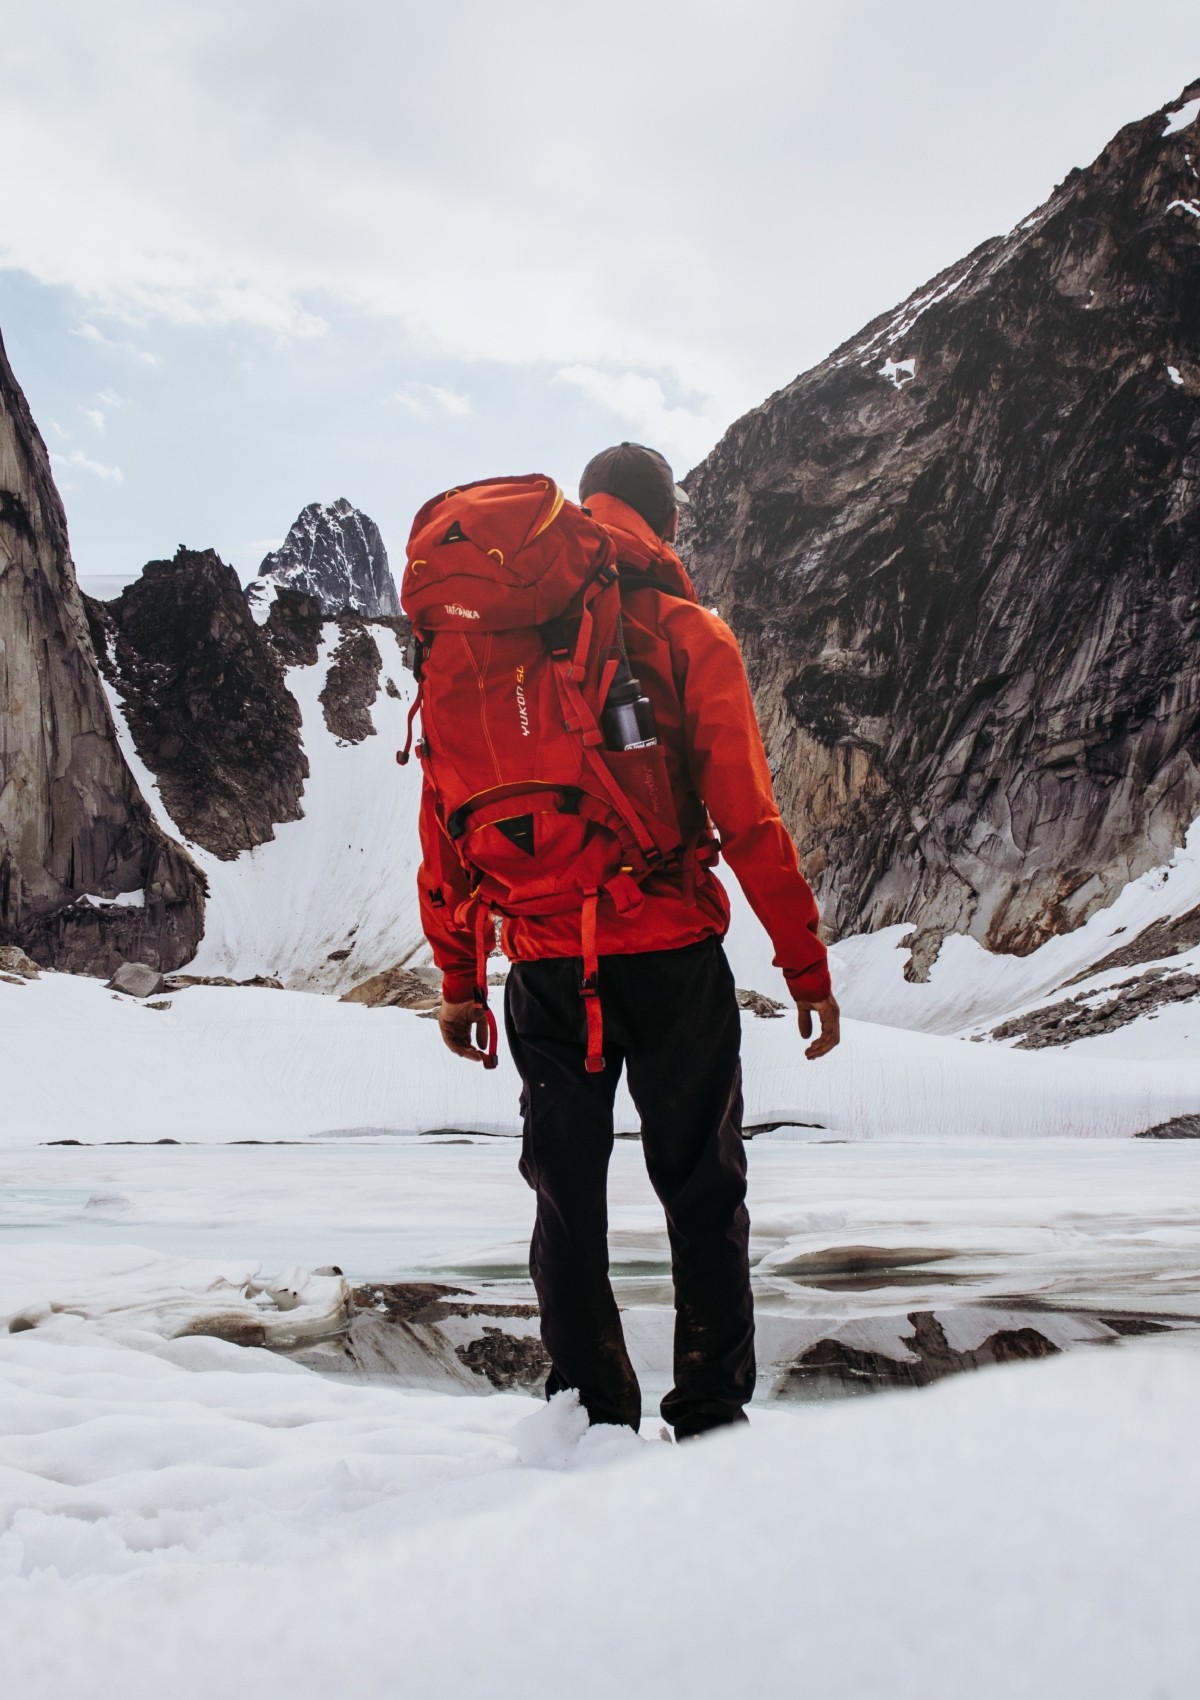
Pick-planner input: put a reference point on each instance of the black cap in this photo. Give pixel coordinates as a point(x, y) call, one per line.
point(636, 475)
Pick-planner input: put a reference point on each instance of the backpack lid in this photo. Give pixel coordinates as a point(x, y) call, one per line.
point(499, 554)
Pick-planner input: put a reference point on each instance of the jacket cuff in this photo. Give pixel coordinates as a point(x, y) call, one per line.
point(457, 986)
point(811, 984)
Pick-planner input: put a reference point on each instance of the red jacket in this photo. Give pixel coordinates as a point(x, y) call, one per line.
point(691, 668)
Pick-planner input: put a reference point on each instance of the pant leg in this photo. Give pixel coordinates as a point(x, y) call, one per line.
point(568, 1140)
point(682, 1032)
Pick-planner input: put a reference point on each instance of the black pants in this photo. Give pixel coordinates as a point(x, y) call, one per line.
point(671, 1018)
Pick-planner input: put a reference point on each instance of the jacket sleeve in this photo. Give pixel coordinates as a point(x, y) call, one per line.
point(442, 887)
point(729, 769)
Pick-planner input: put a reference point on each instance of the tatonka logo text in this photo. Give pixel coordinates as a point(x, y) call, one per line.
point(521, 708)
point(463, 613)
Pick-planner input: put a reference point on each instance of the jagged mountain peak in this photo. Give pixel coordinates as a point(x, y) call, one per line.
point(962, 555)
point(335, 553)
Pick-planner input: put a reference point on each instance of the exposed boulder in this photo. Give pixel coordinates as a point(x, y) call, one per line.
point(204, 694)
point(13, 960)
point(73, 824)
point(962, 556)
point(397, 988)
point(136, 981)
point(334, 553)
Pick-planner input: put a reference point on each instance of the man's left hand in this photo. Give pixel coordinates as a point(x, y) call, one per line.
point(830, 1016)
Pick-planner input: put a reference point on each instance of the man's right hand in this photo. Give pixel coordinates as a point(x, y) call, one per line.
point(457, 1020)
point(830, 1016)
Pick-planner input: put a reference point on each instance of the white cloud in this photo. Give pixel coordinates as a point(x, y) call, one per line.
point(94, 417)
point(112, 474)
point(422, 399)
point(640, 402)
point(672, 188)
point(91, 333)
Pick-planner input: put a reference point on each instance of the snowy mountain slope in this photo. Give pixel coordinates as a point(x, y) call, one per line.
point(340, 879)
point(335, 553)
point(970, 988)
point(224, 1064)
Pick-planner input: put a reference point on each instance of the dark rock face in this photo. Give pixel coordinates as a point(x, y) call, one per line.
point(75, 831)
point(352, 683)
point(962, 556)
point(334, 553)
point(204, 695)
point(294, 627)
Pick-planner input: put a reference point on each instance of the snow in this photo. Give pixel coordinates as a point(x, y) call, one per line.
point(226, 1063)
point(897, 371)
point(1182, 118)
point(200, 1533)
point(1192, 207)
point(1173, 374)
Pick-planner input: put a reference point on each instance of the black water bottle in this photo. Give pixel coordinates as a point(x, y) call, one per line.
point(628, 717)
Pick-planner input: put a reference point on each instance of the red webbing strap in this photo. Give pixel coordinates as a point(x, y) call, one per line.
point(591, 985)
point(485, 943)
point(607, 677)
point(403, 755)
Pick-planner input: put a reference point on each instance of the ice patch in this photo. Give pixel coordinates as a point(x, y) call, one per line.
point(1180, 120)
point(559, 1437)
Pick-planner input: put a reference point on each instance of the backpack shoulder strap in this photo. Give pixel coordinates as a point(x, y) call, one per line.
point(632, 580)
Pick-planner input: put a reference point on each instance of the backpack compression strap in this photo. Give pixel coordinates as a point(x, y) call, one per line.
point(478, 913)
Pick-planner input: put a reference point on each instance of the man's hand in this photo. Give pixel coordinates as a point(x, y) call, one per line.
point(830, 1017)
point(456, 1021)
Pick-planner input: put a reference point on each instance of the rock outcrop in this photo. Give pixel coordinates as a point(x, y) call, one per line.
point(203, 691)
point(334, 553)
point(352, 683)
point(87, 880)
point(962, 556)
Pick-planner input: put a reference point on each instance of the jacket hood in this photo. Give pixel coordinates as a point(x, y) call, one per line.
point(638, 545)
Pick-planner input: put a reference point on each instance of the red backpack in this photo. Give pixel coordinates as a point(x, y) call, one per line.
point(515, 604)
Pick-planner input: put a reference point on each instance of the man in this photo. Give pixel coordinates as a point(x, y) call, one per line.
point(670, 1016)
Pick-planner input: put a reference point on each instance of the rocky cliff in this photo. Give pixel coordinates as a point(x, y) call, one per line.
point(335, 554)
point(962, 556)
point(203, 691)
point(87, 880)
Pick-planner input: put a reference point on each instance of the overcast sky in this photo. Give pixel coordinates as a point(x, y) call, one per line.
point(257, 253)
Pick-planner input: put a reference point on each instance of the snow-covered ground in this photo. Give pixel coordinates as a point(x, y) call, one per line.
point(183, 1515)
point(225, 1063)
point(209, 1521)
